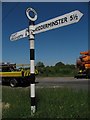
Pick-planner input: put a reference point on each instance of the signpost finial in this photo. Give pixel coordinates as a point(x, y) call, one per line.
point(29, 16)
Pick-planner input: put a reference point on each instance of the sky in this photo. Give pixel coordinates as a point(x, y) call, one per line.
point(62, 44)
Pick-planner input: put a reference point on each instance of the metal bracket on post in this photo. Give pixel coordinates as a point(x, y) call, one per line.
point(32, 57)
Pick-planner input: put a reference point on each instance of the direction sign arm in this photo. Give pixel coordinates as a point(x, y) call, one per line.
point(60, 21)
point(18, 35)
point(66, 19)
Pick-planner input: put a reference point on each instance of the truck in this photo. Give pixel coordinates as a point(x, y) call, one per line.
point(83, 65)
point(10, 74)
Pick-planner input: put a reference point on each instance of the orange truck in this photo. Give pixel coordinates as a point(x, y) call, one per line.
point(83, 65)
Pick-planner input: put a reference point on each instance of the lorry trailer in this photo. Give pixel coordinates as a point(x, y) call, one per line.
point(83, 65)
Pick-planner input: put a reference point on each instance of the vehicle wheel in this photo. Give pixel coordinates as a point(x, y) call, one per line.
point(13, 82)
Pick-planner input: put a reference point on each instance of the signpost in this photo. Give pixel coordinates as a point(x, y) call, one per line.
point(32, 57)
point(67, 19)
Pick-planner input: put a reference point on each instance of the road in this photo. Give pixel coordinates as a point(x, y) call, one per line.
point(69, 82)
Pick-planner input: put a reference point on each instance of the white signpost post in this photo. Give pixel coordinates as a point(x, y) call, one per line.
point(67, 19)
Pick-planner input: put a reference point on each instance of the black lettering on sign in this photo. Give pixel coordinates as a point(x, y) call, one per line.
point(52, 24)
point(13, 35)
point(73, 17)
point(26, 32)
point(63, 20)
point(19, 36)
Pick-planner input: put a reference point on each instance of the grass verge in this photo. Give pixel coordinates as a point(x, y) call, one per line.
point(50, 102)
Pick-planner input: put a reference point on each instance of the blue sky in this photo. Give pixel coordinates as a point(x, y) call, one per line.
point(62, 44)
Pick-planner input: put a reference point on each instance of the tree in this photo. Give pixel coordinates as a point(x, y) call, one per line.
point(40, 64)
point(40, 67)
point(60, 64)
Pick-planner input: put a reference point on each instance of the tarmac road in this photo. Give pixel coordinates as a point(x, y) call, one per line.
point(69, 82)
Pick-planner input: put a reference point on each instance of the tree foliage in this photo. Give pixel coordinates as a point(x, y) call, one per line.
point(40, 64)
point(60, 69)
point(60, 64)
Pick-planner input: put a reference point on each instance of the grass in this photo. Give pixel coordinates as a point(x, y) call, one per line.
point(51, 103)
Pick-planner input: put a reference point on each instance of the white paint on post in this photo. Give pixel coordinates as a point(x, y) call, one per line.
point(32, 44)
point(31, 29)
point(33, 90)
point(32, 67)
point(33, 109)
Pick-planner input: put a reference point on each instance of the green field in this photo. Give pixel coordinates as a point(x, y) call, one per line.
point(51, 103)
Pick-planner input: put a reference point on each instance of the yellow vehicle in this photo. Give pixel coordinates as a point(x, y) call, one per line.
point(10, 74)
